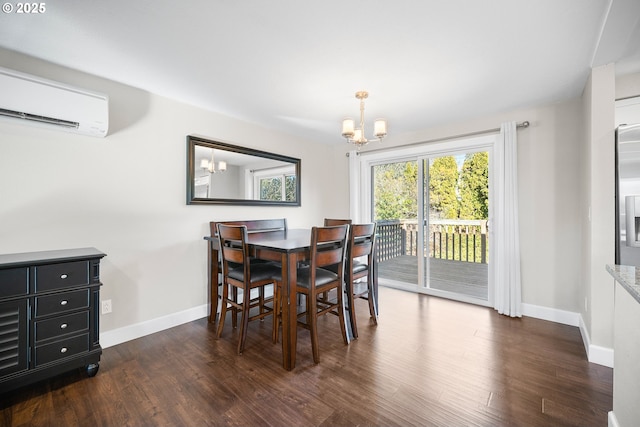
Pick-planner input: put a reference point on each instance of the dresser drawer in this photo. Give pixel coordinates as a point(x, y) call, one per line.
point(61, 349)
point(13, 282)
point(62, 325)
point(62, 302)
point(63, 275)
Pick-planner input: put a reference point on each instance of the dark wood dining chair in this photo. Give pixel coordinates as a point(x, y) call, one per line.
point(359, 265)
point(253, 226)
point(328, 248)
point(240, 273)
point(329, 222)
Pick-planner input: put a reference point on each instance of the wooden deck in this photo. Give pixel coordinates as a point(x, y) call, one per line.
point(461, 277)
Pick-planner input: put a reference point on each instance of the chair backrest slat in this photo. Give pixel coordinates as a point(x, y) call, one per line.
point(253, 226)
point(329, 256)
point(361, 248)
point(328, 245)
point(361, 240)
point(233, 254)
point(329, 222)
point(233, 244)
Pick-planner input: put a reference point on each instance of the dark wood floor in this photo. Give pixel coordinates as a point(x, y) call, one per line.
point(429, 362)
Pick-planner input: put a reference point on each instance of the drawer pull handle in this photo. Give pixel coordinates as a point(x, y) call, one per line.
point(63, 350)
point(63, 276)
point(63, 326)
point(64, 302)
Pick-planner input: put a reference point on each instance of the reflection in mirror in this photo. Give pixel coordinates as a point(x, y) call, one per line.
point(227, 174)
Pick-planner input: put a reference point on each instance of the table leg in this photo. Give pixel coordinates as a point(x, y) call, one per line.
point(289, 312)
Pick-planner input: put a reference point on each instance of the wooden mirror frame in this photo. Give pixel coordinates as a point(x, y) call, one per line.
point(192, 199)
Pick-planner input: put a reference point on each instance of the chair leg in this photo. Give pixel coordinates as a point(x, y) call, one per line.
point(325, 295)
point(276, 312)
point(351, 309)
point(261, 301)
point(372, 309)
point(312, 319)
point(371, 297)
point(343, 328)
point(244, 319)
point(223, 308)
point(234, 310)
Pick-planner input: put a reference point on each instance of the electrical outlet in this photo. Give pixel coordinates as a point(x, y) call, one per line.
point(106, 306)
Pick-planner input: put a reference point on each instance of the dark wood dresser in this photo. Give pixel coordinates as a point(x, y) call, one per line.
point(49, 317)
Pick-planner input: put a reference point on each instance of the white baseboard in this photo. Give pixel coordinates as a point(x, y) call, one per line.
point(131, 332)
point(613, 421)
point(601, 355)
point(586, 339)
point(595, 353)
point(553, 315)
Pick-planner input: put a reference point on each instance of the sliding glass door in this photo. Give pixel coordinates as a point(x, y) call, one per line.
point(456, 211)
point(395, 210)
point(432, 211)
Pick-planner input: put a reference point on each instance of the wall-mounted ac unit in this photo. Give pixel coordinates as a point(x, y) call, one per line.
point(37, 101)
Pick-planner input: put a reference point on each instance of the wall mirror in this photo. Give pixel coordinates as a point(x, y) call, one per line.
point(221, 173)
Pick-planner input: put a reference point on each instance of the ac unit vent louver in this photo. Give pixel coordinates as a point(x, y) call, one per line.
point(40, 119)
point(46, 103)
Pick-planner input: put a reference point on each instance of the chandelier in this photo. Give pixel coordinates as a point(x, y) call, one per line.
point(210, 166)
point(356, 136)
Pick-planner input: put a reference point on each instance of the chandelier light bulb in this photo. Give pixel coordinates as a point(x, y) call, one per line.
point(380, 128)
point(348, 126)
point(357, 136)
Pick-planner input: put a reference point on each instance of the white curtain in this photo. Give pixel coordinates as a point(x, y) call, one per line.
point(506, 236)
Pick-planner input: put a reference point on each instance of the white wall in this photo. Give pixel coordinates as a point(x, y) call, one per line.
point(601, 143)
point(584, 154)
point(627, 86)
point(59, 190)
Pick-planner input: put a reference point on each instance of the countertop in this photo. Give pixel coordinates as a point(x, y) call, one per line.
point(628, 276)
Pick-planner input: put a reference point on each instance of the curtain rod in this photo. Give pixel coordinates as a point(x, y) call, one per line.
point(268, 169)
point(523, 125)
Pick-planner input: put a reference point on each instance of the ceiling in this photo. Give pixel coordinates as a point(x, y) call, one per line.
point(295, 65)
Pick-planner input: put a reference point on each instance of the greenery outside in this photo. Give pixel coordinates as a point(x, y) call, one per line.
point(271, 188)
point(290, 188)
point(457, 192)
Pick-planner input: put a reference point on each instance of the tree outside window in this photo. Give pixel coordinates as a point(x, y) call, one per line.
point(271, 187)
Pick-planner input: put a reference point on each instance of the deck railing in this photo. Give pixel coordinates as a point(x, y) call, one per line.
point(391, 239)
point(459, 240)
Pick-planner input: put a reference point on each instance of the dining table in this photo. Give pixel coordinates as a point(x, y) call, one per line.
point(289, 247)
